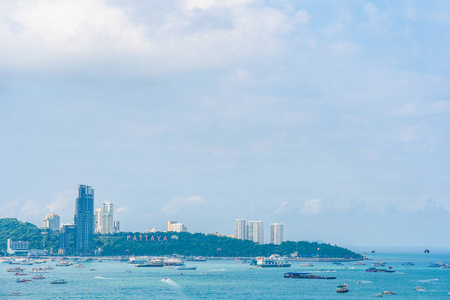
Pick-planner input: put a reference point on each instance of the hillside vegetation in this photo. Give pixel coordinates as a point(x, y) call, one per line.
point(165, 243)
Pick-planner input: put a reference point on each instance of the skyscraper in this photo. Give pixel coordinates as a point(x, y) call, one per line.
point(84, 220)
point(98, 220)
point(276, 233)
point(116, 226)
point(241, 229)
point(51, 222)
point(107, 222)
point(256, 231)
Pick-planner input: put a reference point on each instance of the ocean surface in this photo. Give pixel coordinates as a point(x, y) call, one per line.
point(231, 279)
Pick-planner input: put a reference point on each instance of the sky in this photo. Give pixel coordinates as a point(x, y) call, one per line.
point(331, 117)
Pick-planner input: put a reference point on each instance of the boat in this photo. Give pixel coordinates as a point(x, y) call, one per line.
point(436, 265)
point(445, 267)
point(360, 263)
point(389, 293)
point(40, 276)
point(379, 270)
point(379, 264)
point(22, 280)
point(173, 262)
point(20, 274)
point(64, 263)
point(186, 268)
point(338, 263)
point(15, 294)
point(58, 281)
point(306, 276)
point(379, 295)
point(419, 289)
point(342, 288)
point(39, 270)
point(307, 265)
point(407, 264)
point(271, 262)
point(79, 266)
point(17, 269)
point(151, 263)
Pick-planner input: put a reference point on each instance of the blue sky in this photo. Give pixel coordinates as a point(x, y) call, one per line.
point(330, 117)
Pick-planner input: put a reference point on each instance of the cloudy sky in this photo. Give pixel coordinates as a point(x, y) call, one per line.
point(331, 117)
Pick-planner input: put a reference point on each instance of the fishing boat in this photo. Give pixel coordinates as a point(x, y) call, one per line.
point(58, 281)
point(20, 274)
point(342, 288)
point(306, 276)
point(19, 280)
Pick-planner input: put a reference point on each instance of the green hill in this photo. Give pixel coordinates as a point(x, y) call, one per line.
point(165, 243)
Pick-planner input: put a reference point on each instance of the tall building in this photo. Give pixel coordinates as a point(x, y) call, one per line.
point(256, 231)
point(98, 220)
point(107, 222)
point(276, 233)
point(241, 229)
point(84, 220)
point(116, 226)
point(169, 225)
point(51, 222)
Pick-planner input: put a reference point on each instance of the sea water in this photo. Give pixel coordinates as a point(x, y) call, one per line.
point(233, 279)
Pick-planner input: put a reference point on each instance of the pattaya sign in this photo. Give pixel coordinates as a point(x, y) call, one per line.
point(152, 238)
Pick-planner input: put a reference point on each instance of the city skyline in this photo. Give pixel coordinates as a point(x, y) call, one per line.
point(331, 118)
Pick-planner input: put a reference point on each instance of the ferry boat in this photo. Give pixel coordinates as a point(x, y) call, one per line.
point(151, 263)
point(271, 262)
point(307, 276)
point(59, 281)
point(342, 288)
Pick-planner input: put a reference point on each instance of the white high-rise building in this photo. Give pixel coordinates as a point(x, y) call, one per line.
point(256, 231)
point(98, 220)
point(51, 222)
point(178, 227)
point(241, 229)
point(276, 233)
point(107, 222)
point(116, 226)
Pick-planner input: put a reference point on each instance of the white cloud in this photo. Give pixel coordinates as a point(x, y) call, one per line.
point(312, 207)
point(408, 133)
point(177, 203)
point(282, 207)
point(122, 209)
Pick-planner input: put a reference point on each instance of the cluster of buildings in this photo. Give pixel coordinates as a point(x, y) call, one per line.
point(254, 231)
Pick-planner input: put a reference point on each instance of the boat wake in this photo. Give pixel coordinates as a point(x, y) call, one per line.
point(170, 281)
point(219, 270)
point(367, 281)
point(100, 277)
point(429, 280)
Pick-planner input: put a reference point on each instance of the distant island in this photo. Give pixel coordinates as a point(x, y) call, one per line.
point(168, 243)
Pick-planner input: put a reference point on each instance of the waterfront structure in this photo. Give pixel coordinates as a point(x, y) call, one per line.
point(276, 233)
point(17, 247)
point(116, 226)
point(84, 220)
point(241, 229)
point(255, 230)
point(51, 222)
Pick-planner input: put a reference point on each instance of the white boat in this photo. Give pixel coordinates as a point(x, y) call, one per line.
point(271, 262)
point(307, 265)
